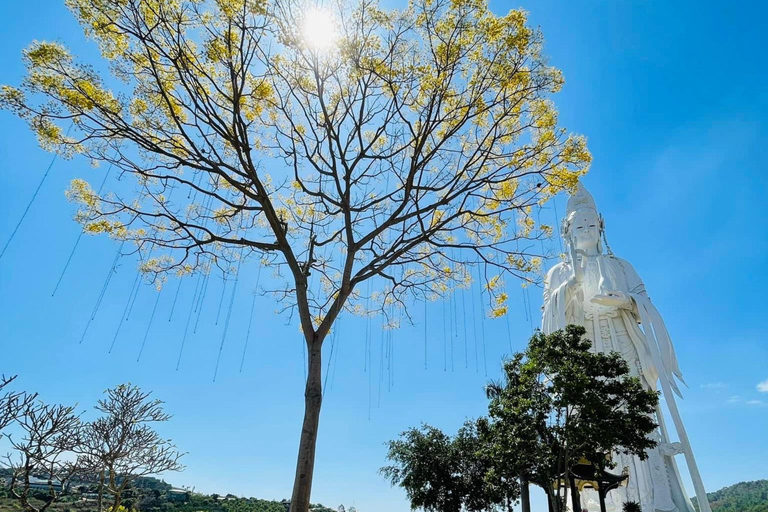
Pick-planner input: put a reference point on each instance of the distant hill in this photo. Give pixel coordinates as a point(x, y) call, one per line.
point(148, 494)
point(149, 482)
point(741, 497)
point(143, 482)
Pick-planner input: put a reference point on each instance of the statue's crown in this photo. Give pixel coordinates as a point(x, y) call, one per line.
point(580, 200)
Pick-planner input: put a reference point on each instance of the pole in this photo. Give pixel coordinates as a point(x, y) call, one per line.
point(698, 484)
point(575, 496)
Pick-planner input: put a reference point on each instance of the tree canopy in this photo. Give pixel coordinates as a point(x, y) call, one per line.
point(558, 403)
point(411, 150)
point(421, 131)
point(444, 473)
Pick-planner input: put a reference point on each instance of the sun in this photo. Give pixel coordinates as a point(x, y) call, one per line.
point(319, 29)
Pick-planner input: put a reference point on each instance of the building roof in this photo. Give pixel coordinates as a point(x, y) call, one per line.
point(33, 480)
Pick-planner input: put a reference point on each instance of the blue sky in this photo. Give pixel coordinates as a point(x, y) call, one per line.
point(672, 97)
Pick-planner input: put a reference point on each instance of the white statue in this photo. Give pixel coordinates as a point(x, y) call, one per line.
point(604, 294)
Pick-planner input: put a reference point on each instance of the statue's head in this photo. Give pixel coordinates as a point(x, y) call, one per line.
point(584, 228)
point(583, 225)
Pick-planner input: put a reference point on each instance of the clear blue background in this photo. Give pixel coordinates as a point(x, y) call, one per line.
point(673, 97)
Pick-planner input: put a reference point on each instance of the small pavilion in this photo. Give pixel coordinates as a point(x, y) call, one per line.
point(585, 475)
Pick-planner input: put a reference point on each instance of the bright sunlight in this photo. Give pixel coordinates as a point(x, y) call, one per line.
point(319, 29)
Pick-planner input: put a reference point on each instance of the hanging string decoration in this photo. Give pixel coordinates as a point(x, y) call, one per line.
point(201, 298)
point(31, 201)
point(250, 319)
point(482, 320)
point(149, 325)
point(124, 315)
point(107, 280)
point(474, 330)
point(334, 338)
point(445, 338)
point(198, 289)
point(425, 333)
point(175, 299)
point(464, 319)
point(229, 313)
point(221, 300)
point(79, 236)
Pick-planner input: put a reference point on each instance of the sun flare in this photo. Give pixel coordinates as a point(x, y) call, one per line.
point(319, 29)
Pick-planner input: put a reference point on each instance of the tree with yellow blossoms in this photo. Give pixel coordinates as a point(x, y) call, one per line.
point(404, 150)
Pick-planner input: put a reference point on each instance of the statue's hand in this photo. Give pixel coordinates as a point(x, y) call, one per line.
point(613, 299)
point(578, 266)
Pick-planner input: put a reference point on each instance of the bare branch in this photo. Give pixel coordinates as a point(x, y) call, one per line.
point(122, 446)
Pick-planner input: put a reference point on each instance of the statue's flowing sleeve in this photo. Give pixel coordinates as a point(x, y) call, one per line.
point(653, 326)
point(555, 299)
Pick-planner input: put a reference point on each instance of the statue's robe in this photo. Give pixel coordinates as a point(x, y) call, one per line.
point(655, 482)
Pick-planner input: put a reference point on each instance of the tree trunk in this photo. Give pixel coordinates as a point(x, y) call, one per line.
point(550, 502)
point(101, 491)
point(575, 496)
point(313, 397)
point(553, 501)
point(525, 497)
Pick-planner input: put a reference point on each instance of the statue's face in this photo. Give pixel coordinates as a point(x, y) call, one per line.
point(585, 230)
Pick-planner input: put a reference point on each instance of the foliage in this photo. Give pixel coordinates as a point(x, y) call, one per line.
point(148, 482)
point(740, 497)
point(411, 151)
point(424, 128)
point(446, 474)
point(148, 502)
point(319, 507)
point(560, 402)
point(425, 465)
point(198, 502)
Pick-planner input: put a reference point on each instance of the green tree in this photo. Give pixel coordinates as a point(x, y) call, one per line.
point(441, 473)
point(407, 152)
point(424, 464)
point(559, 403)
